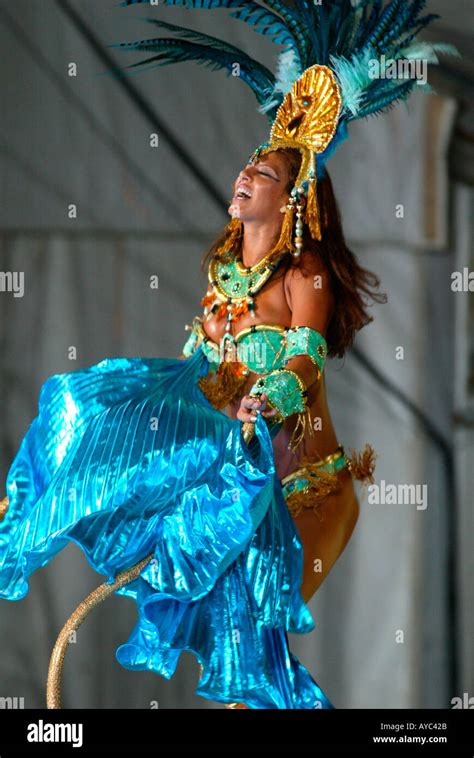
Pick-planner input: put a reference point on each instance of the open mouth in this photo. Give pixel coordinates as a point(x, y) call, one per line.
point(242, 194)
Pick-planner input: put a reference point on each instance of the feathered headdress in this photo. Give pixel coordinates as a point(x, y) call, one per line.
point(341, 60)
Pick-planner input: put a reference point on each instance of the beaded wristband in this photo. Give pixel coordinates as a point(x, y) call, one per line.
point(286, 392)
point(303, 340)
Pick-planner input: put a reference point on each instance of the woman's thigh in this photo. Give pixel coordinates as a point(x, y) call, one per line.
point(325, 537)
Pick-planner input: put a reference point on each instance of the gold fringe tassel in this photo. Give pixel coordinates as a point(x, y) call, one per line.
point(224, 386)
point(326, 483)
point(285, 241)
point(312, 211)
point(303, 423)
point(362, 465)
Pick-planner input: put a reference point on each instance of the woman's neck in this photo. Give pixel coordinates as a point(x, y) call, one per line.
point(257, 241)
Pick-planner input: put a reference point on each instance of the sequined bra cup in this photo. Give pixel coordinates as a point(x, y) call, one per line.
point(261, 347)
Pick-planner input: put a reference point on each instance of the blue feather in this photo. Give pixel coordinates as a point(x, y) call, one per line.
point(310, 23)
point(264, 22)
point(381, 103)
point(381, 26)
point(179, 50)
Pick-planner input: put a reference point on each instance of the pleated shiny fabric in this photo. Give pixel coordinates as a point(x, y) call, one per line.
point(128, 458)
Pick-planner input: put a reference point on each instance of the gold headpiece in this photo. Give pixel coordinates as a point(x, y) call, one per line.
point(306, 120)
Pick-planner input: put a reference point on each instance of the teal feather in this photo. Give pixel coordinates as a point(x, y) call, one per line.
point(179, 50)
point(207, 39)
point(382, 103)
point(364, 25)
point(288, 71)
point(380, 28)
point(428, 51)
point(294, 24)
point(260, 19)
point(264, 22)
point(310, 21)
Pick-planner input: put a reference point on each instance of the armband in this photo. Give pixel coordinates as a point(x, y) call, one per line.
point(303, 340)
point(286, 392)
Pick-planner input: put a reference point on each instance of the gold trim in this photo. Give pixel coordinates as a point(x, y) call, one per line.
point(245, 271)
point(331, 458)
point(236, 337)
point(255, 328)
point(303, 387)
point(251, 270)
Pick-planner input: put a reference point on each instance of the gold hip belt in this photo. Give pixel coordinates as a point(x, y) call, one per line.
point(311, 483)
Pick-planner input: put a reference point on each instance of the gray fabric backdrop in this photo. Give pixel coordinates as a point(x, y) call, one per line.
point(383, 617)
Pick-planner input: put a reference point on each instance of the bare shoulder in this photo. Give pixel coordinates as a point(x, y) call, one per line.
point(307, 277)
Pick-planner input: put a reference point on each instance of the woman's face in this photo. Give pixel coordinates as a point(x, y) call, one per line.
point(259, 190)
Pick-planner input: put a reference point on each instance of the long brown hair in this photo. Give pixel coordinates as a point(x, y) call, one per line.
point(353, 287)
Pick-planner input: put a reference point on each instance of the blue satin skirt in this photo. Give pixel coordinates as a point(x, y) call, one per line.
point(128, 458)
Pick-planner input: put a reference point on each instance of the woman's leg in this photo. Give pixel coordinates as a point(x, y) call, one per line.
point(325, 538)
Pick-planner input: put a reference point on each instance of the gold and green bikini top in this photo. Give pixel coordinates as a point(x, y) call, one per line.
point(261, 347)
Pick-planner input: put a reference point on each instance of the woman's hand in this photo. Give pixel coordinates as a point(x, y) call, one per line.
point(251, 405)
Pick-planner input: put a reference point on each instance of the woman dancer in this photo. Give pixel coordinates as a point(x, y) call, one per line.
point(320, 290)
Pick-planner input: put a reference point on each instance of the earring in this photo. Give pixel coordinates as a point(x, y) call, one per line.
point(300, 203)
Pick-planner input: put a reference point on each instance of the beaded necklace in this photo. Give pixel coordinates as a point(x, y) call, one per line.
point(233, 286)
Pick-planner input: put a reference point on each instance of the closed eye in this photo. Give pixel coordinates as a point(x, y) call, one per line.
point(264, 173)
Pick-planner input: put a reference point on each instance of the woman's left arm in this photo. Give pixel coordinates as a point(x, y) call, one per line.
point(286, 388)
point(311, 301)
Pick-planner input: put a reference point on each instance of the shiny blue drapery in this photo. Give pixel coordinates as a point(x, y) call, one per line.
point(127, 458)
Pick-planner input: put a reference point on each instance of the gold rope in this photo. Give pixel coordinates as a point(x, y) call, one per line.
point(53, 688)
point(3, 508)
